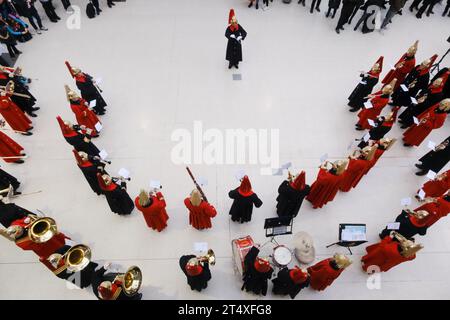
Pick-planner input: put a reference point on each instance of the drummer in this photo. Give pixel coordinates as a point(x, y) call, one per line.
point(257, 272)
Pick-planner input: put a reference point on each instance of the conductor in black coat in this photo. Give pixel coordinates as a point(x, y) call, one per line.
point(197, 272)
point(244, 200)
point(290, 282)
point(257, 273)
point(291, 195)
point(235, 34)
point(436, 159)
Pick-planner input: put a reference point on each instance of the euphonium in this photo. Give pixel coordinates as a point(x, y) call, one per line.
point(131, 280)
point(42, 229)
point(210, 258)
point(77, 258)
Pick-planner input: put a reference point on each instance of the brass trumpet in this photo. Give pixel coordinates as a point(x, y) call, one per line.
point(131, 280)
point(210, 258)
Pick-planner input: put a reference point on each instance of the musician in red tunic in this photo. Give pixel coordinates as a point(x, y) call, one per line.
point(15, 117)
point(431, 119)
point(377, 101)
point(10, 151)
point(323, 273)
point(390, 252)
point(327, 184)
point(403, 66)
point(200, 211)
point(382, 146)
point(84, 115)
point(153, 207)
point(436, 207)
point(35, 234)
point(358, 165)
point(438, 186)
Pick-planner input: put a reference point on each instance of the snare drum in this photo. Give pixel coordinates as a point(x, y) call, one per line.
point(282, 256)
point(240, 249)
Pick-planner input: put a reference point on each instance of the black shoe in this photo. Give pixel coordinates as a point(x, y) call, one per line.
point(58, 18)
point(16, 193)
point(236, 66)
point(19, 161)
point(318, 9)
point(229, 66)
point(418, 16)
point(35, 109)
point(353, 110)
point(407, 145)
point(43, 29)
point(338, 31)
point(33, 115)
point(250, 4)
point(420, 166)
point(421, 173)
point(31, 128)
point(411, 9)
point(27, 133)
point(54, 20)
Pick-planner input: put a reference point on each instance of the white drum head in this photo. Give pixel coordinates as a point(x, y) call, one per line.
point(282, 256)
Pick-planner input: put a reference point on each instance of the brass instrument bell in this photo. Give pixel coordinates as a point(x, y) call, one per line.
point(42, 230)
point(132, 281)
point(77, 258)
point(210, 257)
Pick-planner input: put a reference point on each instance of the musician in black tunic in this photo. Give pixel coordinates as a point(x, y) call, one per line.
point(243, 201)
point(383, 124)
point(108, 287)
point(6, 180)
point(116, 194)
point(291, 195)
point(90, 166)
point(10, 212)
point(416, 81)
point(56, 264)
point(77, 137)
point(407, 228)
point(436, 159)
point(290, 282)
point(26, 104)
point(235, 34)
point(257, 273)
point(197, 272)
point(427, 98)
point(365, 86)
point(88, 88)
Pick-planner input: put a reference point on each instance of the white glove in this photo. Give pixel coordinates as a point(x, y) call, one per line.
point(239, 38)
point(233, 36)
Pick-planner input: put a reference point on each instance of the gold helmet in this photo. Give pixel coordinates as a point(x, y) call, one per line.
point(369, 152)
point(387, 143)
point(445, 105)
point(413, 49)
point(389, 88)
point(341, 260)
point(144, 199)
point(71, 95)
point(196, 198)
point(340, 166)
point(420, 214)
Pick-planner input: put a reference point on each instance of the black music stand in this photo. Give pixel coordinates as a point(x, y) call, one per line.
point(278, 227)
point(345, 232)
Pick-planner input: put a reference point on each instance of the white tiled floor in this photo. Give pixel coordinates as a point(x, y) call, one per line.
point(163, 67)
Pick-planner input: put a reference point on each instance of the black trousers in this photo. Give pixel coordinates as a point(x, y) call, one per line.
point(50, 10)
point(33, 14)
point(447, 8)
point(12, 49)
point(66, 4)
point(96, 6)
point(313, 4)
point(329, 12)
point(415, 5)
point(427, 4)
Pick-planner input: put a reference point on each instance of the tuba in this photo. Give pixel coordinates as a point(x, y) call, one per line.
point(132, 280)
point(42, 229)
point(77, 258)
point(210, 258)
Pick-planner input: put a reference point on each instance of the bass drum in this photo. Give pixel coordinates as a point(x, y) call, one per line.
point(240, 249)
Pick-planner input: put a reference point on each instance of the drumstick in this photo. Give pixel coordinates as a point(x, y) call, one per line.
point(26, 194)
point(4, 129)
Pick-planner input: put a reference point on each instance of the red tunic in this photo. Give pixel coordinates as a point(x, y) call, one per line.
point(436, 211)
point(85, 116)
point(324, 189)
point(323, 274)
point(378, 103)
point(355, 171)
point(13, 115)
point(200, 216)
point(155, 215)
point(384, 254)
point(43, 250)
point(400, 73)
point(417, 133)
point(436, 188)
point(9, 148)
